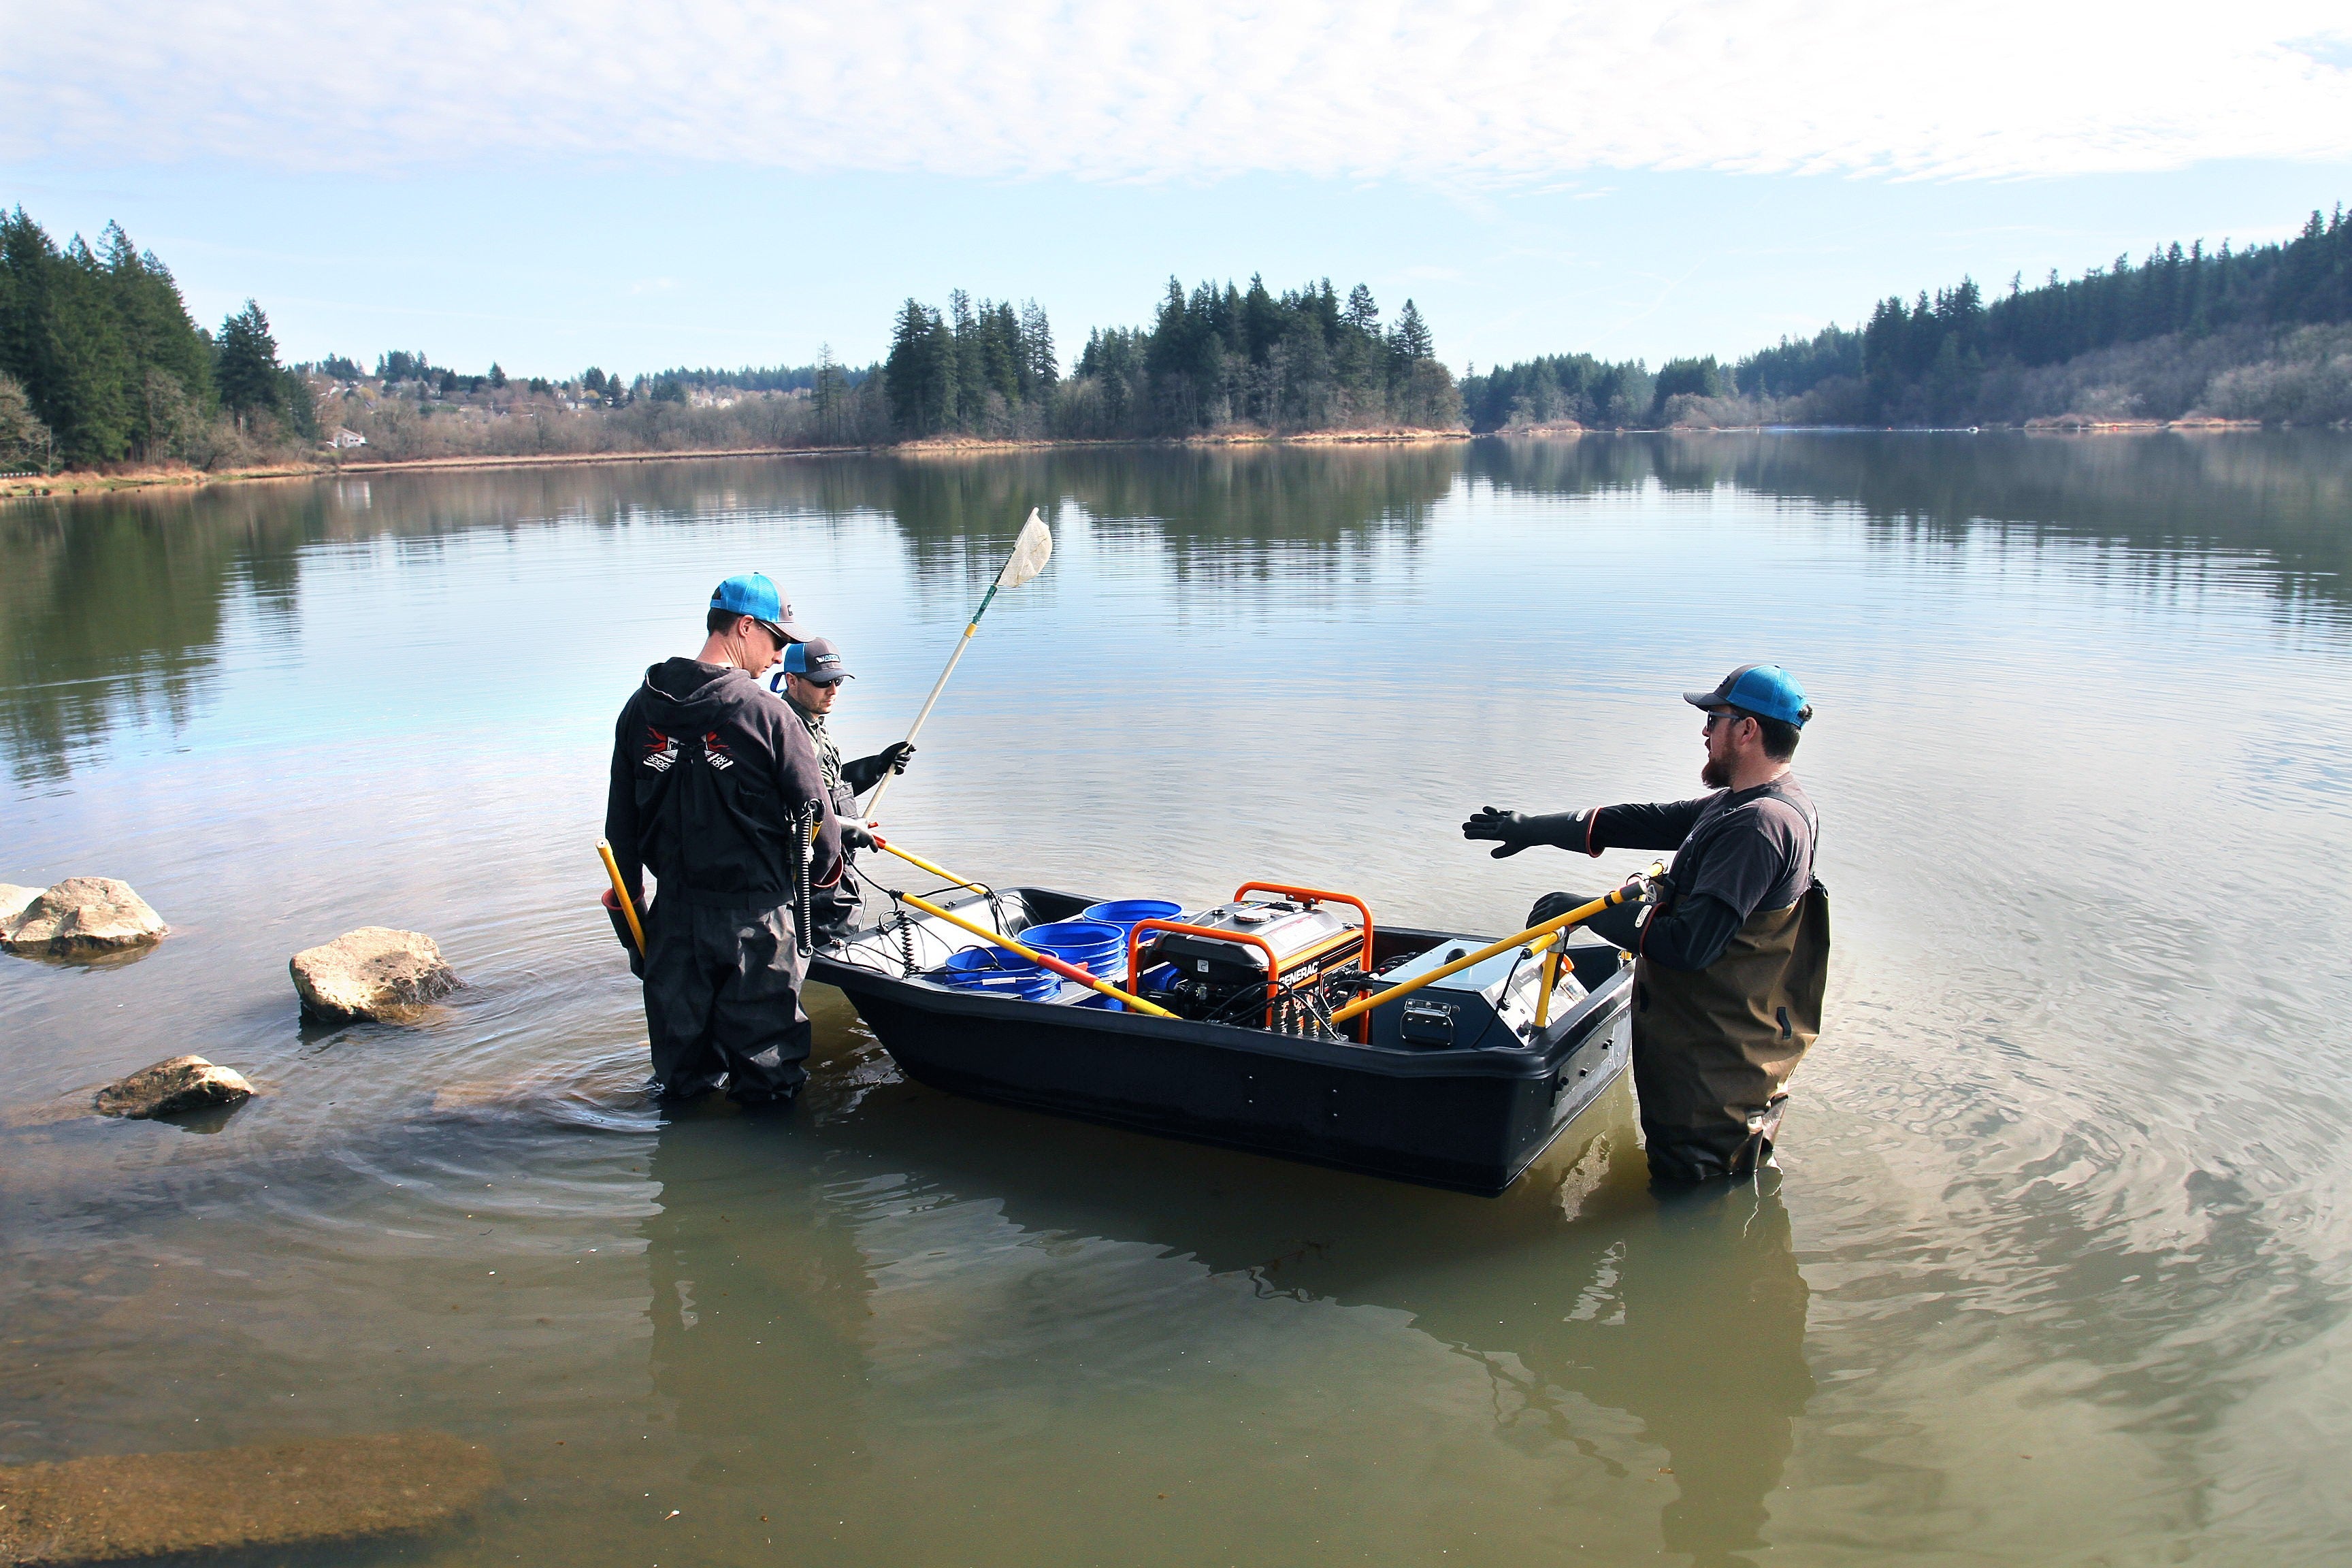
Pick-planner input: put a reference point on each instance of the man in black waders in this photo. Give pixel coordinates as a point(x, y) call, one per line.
point(1731, 961)
point(717, 790)
point(809, 679)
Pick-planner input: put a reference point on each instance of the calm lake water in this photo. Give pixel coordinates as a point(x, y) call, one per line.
point(2056, 1270)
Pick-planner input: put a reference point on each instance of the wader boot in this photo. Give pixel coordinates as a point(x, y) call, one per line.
point(1713, 1047)
point(722, 1002)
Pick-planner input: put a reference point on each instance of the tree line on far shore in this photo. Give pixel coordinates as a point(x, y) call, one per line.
point(2260, 332)
point(1214, 360)
point(100, 362)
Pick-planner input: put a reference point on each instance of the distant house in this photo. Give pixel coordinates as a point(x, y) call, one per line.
point(343, 439)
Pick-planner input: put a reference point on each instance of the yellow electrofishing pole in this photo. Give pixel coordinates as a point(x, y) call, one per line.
point(1030, 552)
point(1535, 935)
point(939, 871)
point(621, 891)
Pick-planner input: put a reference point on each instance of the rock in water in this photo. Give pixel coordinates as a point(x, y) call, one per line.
point(184, 1083)
point(83, 915)
point(119, 1506)
point(372, 972)
point(12, 899)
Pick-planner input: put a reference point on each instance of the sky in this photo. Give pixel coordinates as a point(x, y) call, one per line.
point(730, 182)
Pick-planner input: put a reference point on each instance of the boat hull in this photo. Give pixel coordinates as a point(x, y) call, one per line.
point(1467, 1119)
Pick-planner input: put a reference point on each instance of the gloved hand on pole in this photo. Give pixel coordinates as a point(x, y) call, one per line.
point(866, 771)
point(1638, 888)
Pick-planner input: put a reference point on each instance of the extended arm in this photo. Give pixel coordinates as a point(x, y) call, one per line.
point(1661, 827)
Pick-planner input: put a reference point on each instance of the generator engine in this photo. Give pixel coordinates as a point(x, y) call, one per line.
point(1225, 977)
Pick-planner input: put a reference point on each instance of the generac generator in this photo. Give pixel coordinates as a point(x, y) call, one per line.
point(1280, 963)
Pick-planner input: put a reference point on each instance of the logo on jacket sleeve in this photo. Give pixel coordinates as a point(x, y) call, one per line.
point(661, 751)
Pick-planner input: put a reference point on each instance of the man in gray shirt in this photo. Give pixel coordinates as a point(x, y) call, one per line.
point(1732, 962)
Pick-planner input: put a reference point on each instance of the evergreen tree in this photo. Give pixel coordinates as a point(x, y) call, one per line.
point(1038, 345)
point(1412, 339)
point(917, 377)
point(245, 363)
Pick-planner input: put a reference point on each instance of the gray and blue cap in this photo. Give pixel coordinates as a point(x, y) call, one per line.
point(816, 661)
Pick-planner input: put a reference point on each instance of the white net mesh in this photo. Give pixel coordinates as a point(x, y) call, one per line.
point(1030, 552)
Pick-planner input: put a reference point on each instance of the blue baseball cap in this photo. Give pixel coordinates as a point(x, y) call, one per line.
point(1761, 689)
point(751, 593)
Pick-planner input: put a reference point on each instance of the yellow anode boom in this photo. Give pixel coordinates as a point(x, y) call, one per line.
point(1044, 960)
point(1538, 935)
point(913, 859)
point(621, 891)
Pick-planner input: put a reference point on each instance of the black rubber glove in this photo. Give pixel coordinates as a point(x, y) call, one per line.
point(1621, 925)
point(852, 836)
point(1516, 830)
point(1553, 905)
point(866, 771)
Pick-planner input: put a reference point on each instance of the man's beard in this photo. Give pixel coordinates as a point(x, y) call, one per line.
point(1716, 773)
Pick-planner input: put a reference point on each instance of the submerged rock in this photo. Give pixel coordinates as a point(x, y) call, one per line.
point(116, 1507)
point(182, 1083)
point(83, 915)
point(372, 972)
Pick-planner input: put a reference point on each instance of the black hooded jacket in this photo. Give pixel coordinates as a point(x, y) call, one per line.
point(709, 773)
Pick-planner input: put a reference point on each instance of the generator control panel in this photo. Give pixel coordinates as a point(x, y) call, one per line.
point(1490, 1005)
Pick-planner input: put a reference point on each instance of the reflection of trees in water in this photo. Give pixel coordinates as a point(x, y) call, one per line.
point(114, 607)
point(1210, 511)
point(112, 614)
point(1687, 1314)
point(2177, 497)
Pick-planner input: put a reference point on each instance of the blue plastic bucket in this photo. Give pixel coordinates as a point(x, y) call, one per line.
point(999, 972)
point(1126, 914)
point(1096, 945)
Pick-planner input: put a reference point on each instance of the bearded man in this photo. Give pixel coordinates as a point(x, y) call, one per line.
point(1732, 961)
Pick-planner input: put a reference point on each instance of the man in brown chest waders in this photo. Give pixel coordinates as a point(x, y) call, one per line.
point(1731, 963)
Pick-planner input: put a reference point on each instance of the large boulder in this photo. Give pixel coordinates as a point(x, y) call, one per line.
point(372, 972)
point(12, 899)
point(115, 1508)
point(83, 916)
point(182, 1083)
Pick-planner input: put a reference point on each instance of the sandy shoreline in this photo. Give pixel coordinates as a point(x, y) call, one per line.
point(79, 483)
point(82, 482)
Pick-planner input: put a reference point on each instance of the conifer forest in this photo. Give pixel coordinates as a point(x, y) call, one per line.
point(101, 364)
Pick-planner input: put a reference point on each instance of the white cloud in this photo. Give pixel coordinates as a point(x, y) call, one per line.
point(1495, 93)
